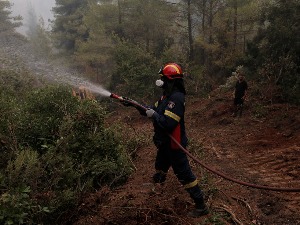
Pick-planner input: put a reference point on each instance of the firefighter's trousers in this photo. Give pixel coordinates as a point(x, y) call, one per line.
point(177, 159)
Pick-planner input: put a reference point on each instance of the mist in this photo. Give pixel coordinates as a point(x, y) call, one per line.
point(42, 9)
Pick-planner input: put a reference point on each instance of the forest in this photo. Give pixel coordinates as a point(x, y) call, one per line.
point(56, 149)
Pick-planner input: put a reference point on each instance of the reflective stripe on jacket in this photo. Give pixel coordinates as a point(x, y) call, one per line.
point(170, 120)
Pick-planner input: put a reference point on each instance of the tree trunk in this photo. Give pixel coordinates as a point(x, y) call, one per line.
point(190, 32)
point(210, 39)
point(203, 53)
point(119, 11)
point(235, 24)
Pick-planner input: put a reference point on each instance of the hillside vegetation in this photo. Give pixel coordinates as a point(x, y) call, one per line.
point(54, 147)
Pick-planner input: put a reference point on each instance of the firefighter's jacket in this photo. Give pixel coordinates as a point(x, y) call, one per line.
point(170, 120)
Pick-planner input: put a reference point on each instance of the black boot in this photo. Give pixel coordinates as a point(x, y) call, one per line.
point(200, 210)
point(200, 207)
point(159, 177)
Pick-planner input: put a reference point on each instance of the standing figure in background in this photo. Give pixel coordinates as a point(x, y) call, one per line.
point(167, 115)
point(240, 93)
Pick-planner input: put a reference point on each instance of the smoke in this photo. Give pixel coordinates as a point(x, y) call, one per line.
point(38, 66)
point(42, 9)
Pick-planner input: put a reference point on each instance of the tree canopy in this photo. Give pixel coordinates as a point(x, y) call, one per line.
point(209, 38)
point(7, 22)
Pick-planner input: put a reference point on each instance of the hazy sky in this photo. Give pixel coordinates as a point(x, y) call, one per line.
point(42, 9)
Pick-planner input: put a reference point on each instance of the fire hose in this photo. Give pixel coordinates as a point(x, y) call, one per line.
point(281, 189)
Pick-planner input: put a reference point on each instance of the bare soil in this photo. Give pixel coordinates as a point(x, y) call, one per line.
point(260, 147)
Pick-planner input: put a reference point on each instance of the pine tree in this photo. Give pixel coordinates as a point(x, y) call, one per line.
point(68, 25)
point(7, 22)
point(95, 53)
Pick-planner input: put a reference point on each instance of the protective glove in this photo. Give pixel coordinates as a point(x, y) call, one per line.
point(128, 102)
point(151, 113)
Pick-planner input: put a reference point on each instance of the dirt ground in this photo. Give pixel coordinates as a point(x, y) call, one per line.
point(261, 147)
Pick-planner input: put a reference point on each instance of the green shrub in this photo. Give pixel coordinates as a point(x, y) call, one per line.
point(25, 168)
point(15, 83)
point(136, 71)
point(259, 111)
point(43, 113)
point(58, 147)
point(86, 140)
point(274, 52)
point(19, 208)
point(10, 113)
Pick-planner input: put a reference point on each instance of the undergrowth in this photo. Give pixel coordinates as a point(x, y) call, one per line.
point(54, 149)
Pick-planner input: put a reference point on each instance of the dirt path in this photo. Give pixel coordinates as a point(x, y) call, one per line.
point(263, 151)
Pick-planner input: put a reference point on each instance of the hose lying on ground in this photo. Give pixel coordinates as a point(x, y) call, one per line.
point(232, 179)
point(282, 189)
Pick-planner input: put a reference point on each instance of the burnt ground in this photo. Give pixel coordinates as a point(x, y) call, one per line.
point(261, 147)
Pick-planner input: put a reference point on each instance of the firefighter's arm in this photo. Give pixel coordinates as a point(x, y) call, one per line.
point(172, 114)
point(164, 121)
point(151, 113)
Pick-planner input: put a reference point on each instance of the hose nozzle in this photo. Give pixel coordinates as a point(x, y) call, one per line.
point(128, 101)
point(112, 95)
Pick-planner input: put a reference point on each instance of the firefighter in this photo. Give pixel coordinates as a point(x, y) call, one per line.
point(168, 118)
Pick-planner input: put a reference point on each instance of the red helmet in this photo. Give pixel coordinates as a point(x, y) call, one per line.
point(171, 71)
